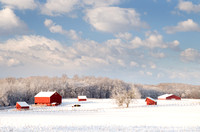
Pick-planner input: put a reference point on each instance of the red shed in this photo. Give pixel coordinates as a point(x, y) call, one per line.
point(22, 105)
point(169, 97)
point(48, 98)
point(151, 101)
point(82, 98)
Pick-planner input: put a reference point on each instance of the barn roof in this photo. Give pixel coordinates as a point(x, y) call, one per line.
point(152, 99)
point(165, 95)
point(82, 97)
point(45, 94)
point(23, 104)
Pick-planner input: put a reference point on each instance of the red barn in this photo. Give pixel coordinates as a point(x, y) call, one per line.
point(151, 101)
point(48, 98)
point(22, 105)
point(82, 98)
point(169, 97)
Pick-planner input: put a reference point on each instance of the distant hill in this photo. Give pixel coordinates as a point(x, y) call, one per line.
point(179, 89)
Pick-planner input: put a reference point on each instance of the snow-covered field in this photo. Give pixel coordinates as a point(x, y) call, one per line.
point(104, 115)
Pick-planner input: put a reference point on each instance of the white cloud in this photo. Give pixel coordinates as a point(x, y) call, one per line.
point(184, 26)
point(58, 29)
point(84, 56)
point(153, 66)
point(143, 66)
point(19, 4)
point(10, 23)
point(101, 3)
point(190, 55)
point(58, 7)
point(114, 19)
point(10, 62)
point(157, 54)
point(37, 50)
point(134, 64)
point(125, 36)
point(188, 6)
point(68, 7)
point(149, 73)
point(153, 40)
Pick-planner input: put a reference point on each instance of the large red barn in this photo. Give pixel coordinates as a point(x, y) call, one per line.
point(151, 101)
point(169, 97)
point(22, 105)
point(48, 98)
point(82, 98)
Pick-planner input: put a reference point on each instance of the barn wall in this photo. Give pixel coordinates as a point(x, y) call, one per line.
point(56, 98)
point(82, 99)
point(150, 102)
point(174, 97)
point(42, 100)
point(18, 106)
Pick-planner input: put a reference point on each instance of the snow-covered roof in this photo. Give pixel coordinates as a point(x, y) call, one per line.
point(24, 104)
point(82, 97)
point(165, 95)
point(45, 94)
point(152, 99)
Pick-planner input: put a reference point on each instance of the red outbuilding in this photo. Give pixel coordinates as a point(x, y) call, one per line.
point(82, 98)
point(169, 97)
point(151, 101)
point(48, 98)
point(22, 105)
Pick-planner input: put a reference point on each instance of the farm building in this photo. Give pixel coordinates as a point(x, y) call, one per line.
point(169, 97)
point(151, 101)
point(82, 98)
point(22, 105)
point(48, 98)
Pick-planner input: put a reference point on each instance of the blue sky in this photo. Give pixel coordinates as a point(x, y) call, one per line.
point(139, 41)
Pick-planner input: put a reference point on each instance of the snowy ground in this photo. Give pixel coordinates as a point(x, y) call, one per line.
point(104, 115)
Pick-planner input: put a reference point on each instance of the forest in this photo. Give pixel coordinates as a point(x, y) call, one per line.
point(24, 89)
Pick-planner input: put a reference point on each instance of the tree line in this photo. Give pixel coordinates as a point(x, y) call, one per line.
point(24, 89)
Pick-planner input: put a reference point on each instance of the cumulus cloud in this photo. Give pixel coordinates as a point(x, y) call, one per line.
point(114, 19)
point(39, 50)
point(58, 7)
point(58, 29)
point(10, 62)
point(10, 23)
point(157, 54)
point(149, 73)
point(68, 7)
point(100, 3)
point(134, 64)
point(188, 6)
point(82, 55)
point(19, 4)
point(190, 55)
point(184, 26)
point(153, 40)
point(124, 36)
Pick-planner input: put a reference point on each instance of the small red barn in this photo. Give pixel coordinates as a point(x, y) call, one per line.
point(151, 101)
point(22, 105)
point(82, 98)
point(48, 98)
point(169, 97)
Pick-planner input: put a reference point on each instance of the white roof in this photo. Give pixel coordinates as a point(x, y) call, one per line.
point(152, 99)
point(165, 95)
point(82, 97)
point(44, 94)
point(23, 104)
